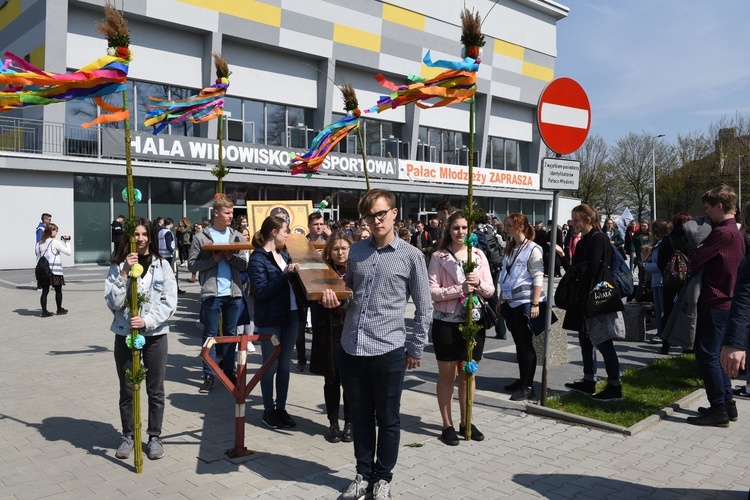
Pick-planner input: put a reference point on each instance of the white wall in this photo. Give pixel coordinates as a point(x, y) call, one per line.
point(24, 196)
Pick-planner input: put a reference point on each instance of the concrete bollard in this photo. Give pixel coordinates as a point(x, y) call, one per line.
point(558, 343)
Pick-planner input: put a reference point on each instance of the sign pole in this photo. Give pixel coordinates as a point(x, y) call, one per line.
point(563, 120)
point(550, 292)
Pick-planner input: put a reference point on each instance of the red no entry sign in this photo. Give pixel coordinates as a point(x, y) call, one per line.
point(564, 115)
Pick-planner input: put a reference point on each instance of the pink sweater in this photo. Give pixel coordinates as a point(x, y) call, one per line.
point(444, 285)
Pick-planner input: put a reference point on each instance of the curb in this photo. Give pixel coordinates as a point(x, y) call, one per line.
point(535, 409)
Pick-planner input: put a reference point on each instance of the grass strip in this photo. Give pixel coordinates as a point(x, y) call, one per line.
point(645, 391)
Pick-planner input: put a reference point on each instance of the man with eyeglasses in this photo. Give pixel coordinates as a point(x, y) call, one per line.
point(383, 272)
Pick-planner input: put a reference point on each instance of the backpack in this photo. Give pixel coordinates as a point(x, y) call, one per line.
point(676, 271)
point(491, 248)
point(42, 271)
point(621, 275)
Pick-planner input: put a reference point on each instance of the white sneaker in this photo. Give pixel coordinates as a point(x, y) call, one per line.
point(381, 490)
point(357, 490)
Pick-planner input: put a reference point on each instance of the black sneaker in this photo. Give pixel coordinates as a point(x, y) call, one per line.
point(287, 421)
point(740, 391)
point(334, 434)
point(584, 386)
point(62, 311)
point(301, 367)
point(522, 394)
point(514, 386)
point(716, 417)
point(731, 410)
point(46, 314)
point(475, 434)
point(609, 393)
point(449, 436)
point(348, 435)
point(272, 420)
point(208, 384)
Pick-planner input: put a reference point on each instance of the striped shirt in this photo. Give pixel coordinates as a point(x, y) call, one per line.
point(383, 279)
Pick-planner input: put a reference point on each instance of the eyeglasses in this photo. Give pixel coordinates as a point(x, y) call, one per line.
point(370, 218)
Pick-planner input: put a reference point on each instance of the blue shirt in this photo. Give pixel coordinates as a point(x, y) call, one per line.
point(382, 280)
point(224, 272)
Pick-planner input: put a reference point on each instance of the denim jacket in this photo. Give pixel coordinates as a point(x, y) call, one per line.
point(160, 306)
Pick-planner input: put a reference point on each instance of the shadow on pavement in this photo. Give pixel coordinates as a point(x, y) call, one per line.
point(96, 438)
point(560, 486)
point(28, 312)
point(93, 349)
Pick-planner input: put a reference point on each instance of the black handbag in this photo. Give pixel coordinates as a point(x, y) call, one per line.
point(567, 292)
point(603, 296)
point(489, 316)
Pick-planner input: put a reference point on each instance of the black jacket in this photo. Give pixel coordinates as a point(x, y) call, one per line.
point(737, 331)
point(596, 250)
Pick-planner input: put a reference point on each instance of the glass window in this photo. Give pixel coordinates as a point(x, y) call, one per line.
point(91, 219)
point(255, 131)
point(449, 147)
point(527, 208)
point(540, 211)
point(184, 128)
point(372, 137)
point(280, 193)
point(498, 153)
point(514, 206)
point(511, 154)
point(166, 199)
point(233, 123)
point(275, 125)
point(198, 194)
point(436, 150)
point(80, 141)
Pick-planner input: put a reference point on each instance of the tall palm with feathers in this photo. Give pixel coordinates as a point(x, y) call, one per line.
point(473, 41)
point(115, 28)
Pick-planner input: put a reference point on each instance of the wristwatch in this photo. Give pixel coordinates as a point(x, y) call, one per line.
point(535, 304)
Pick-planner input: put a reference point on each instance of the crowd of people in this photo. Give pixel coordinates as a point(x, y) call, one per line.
point(695, 269)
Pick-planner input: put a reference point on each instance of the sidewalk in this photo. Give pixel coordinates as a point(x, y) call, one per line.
point(59, 426)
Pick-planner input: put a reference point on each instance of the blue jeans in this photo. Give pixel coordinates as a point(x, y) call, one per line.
point(609, 355)
point(282, 366)
point(709, 336)
point(229, 309)
point(373, 385)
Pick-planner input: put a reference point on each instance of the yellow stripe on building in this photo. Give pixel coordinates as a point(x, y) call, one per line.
point(508, 49)
point(251, 10)
point(538, 72)
point(36, 57)
point(403, 17)
point(356, 38)
point(8, 13)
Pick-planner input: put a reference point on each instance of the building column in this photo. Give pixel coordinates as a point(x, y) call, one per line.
point(326, 90)
point(212, 42)
point(55, 57)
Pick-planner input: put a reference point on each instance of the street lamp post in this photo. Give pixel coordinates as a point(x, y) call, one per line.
point(653, 173)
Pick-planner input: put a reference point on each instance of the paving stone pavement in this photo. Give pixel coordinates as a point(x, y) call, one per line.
point(59, 428)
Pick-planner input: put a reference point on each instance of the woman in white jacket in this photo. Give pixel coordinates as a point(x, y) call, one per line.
point(156, 283)
point(50, 248)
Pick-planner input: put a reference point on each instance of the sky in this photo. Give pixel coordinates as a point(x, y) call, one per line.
point(657, 66)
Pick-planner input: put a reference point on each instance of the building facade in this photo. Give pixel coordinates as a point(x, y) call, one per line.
point(287, 58)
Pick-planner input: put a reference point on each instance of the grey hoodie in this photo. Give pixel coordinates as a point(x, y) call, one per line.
point(203, 261)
